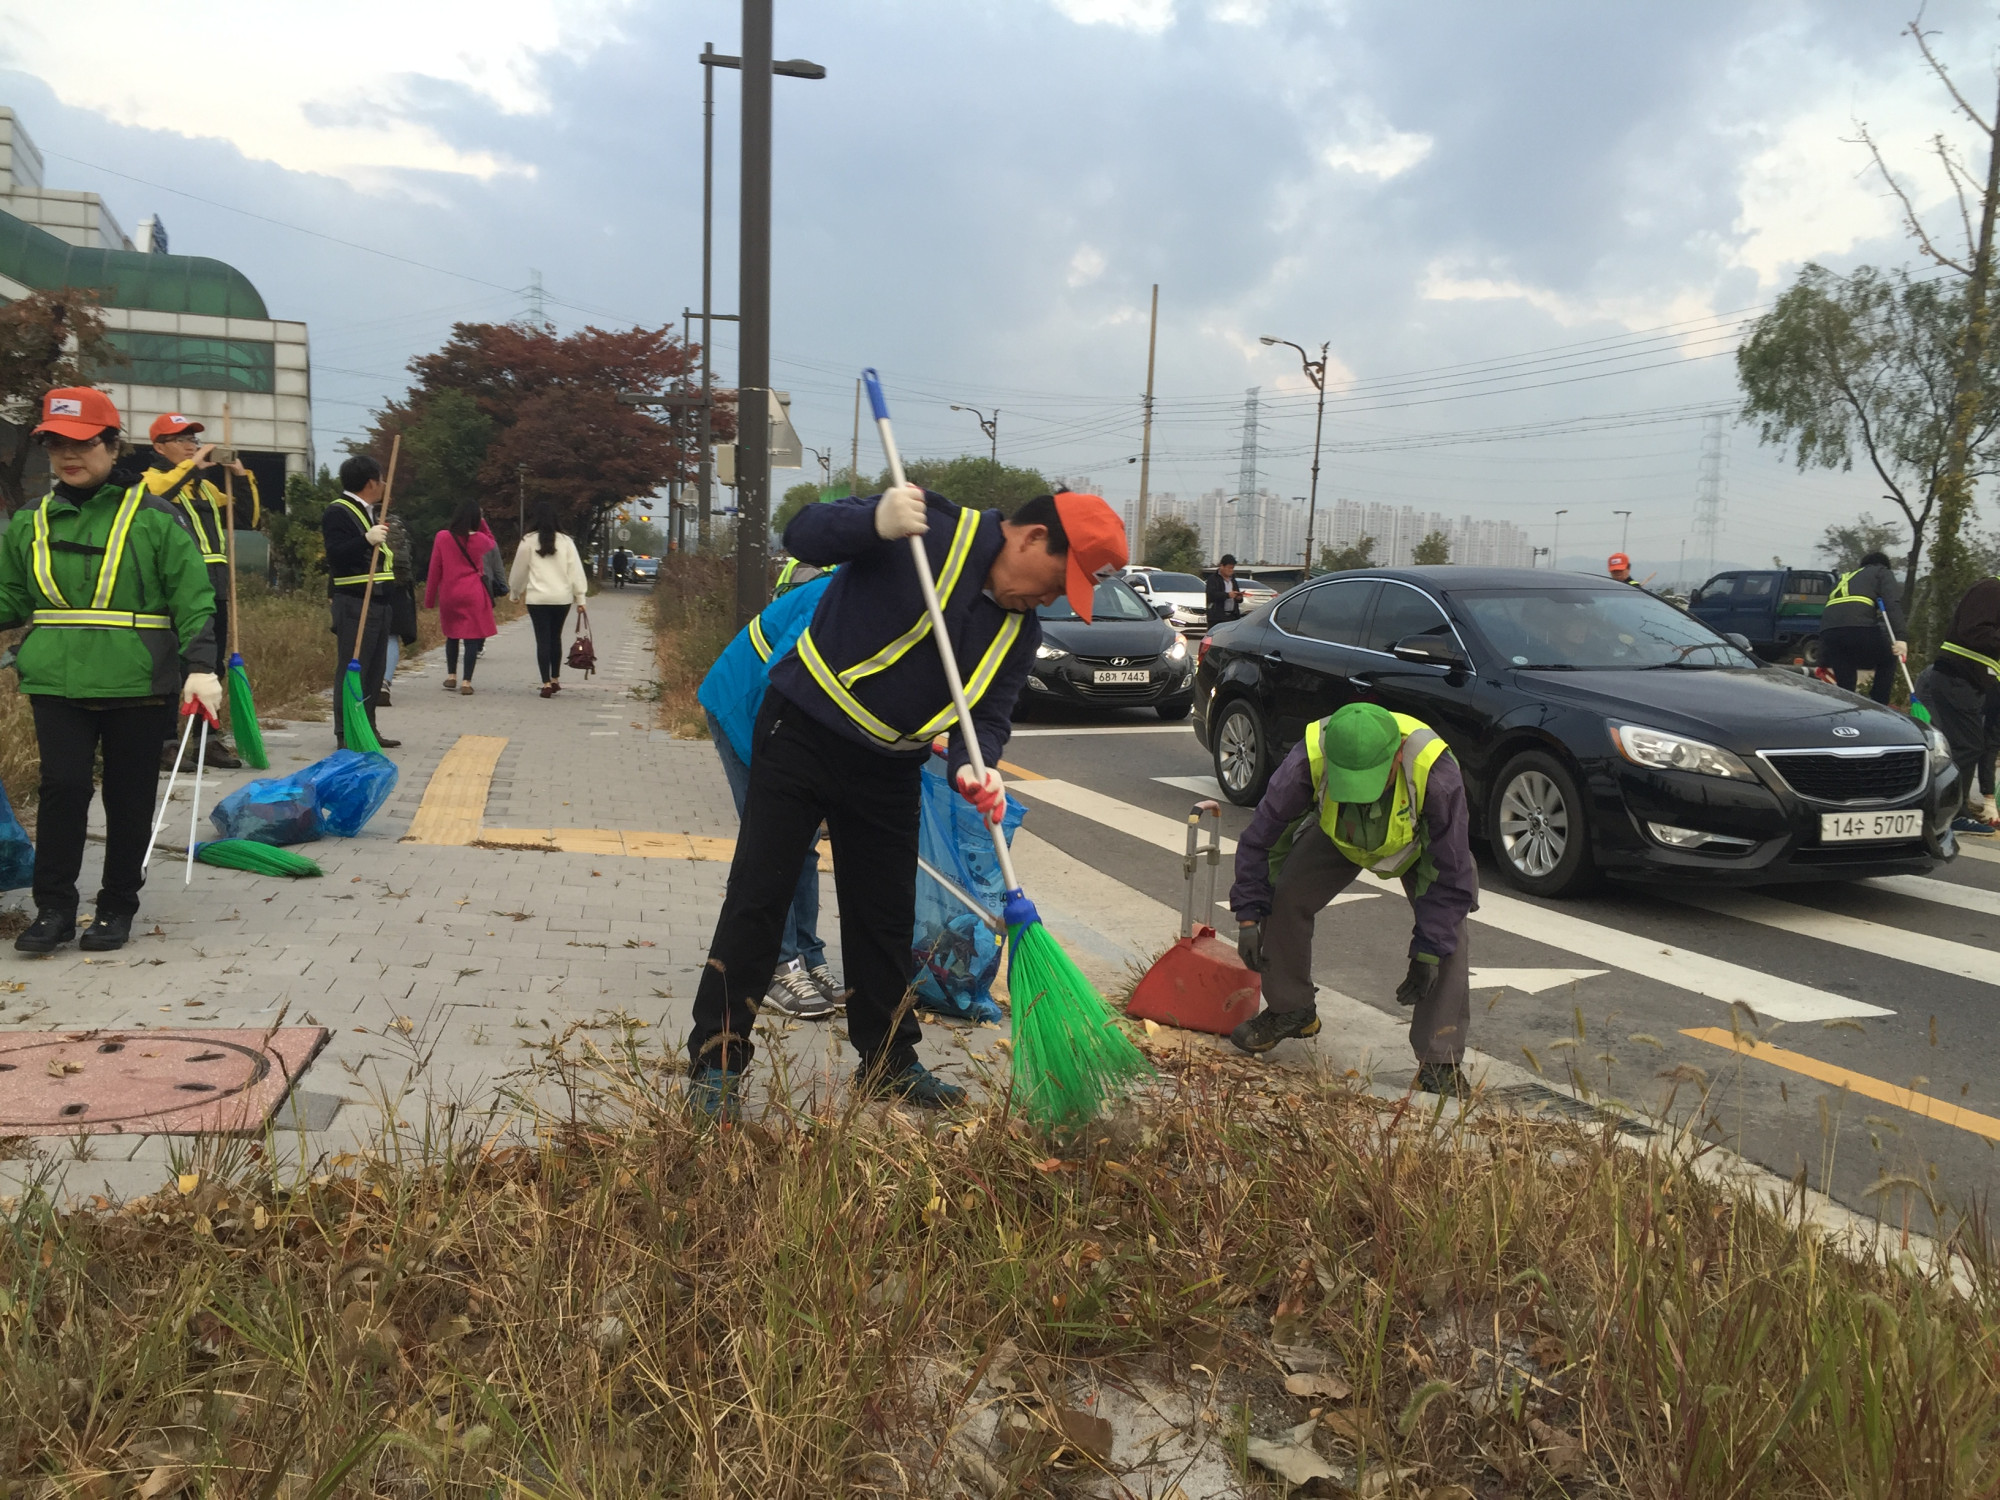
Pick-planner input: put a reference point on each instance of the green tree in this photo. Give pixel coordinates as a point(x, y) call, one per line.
point(977, 482)
point(1863, 367)
point(1360, 555)
point(47, 339)
point(1431, 551)
point(298, 552)
point(797, 498)
point(443, 449)
point(1173, 544)
point(1844, 546)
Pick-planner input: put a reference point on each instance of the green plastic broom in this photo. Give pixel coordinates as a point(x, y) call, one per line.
point(1917, 711)
point(1070, 1056)
point(356, 733)
point(242, 708)
point(258, 859)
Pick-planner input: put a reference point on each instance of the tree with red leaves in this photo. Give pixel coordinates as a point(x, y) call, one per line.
point(47, 340)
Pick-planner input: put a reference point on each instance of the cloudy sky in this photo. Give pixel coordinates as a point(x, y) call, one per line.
point(1502, 217)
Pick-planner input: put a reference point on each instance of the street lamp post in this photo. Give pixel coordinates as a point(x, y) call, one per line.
point(825, 465)
point(1625, 534)
point(1555, 543)
point(990, 426)
point(1315, 372)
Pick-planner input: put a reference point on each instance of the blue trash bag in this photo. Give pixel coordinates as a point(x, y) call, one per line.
point(17, 850)
point(272, 810)
point(350, 788)
point(954, 957)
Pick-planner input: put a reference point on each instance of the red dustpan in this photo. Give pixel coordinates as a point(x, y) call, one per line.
point(1199, 983)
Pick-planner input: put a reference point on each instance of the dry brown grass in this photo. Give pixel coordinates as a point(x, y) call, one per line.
point(693, 606)
point(823, 1302)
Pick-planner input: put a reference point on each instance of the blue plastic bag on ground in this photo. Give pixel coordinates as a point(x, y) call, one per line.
point(954, 957)
point(350, 788)
point(272, 810)
point(17, 850)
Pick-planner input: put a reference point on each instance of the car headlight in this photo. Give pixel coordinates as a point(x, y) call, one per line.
point(1659, 751)
point(1940, 748)
point(1046, 652)
point(1178, 650)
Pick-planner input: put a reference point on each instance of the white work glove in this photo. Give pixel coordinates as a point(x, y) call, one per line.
point(900, 513)
point(377, 535)
point(205, 686)
point(1902, 651)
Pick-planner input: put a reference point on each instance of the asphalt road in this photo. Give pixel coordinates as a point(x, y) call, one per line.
point(1872, 1005)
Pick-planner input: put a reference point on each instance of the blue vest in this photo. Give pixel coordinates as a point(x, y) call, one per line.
point(733, 690)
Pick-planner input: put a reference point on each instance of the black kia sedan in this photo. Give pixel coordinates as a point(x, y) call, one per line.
point(1600, 730)
point(1126, 657)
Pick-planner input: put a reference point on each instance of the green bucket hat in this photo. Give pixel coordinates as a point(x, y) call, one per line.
point(1360, 744)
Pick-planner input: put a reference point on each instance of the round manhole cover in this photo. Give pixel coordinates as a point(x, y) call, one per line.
point(57, 1083)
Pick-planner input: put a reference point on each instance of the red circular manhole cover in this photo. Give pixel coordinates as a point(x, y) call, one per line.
point(61, 1083)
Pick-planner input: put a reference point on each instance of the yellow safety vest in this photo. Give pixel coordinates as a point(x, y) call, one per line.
point(759, 642)
point(1840, 595)
point(838, 685)
point(1400, 849)
point(99, 616)
point(785, 576)
point(210, 552)
point(385, 561)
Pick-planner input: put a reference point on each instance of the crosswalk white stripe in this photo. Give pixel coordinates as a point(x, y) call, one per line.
point(1022, 734)
point(1766, 994)
point(1969, 850)
point(1918, 948)
point(1944, 892)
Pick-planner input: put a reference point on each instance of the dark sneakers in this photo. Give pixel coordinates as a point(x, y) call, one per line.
point(48, 932)
point(716, 1095)
point(1264, 1031)
point(1447, 1080)
point(106, 932)
point(915, 1084)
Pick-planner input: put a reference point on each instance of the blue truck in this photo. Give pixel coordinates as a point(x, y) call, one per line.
point(1776, 609)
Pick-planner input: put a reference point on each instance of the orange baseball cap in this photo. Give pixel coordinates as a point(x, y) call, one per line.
point(1619, 560)
point(1097, 548)
point(173, 424)
point(79, 412)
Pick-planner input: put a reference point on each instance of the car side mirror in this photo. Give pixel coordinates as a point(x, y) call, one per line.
point(1694, 598)
point(1740, 642)
point(1164, 611)
point(1431, 651)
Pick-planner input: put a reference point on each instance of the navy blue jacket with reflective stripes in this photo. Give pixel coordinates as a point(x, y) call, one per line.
point(874, 598)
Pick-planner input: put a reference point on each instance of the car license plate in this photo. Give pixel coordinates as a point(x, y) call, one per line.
point(1105, 676)
point(1850, 828)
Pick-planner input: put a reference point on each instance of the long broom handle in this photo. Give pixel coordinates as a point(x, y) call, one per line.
point(368, 592)
point(229, 537)
point(1882, 614)
point(880, 407)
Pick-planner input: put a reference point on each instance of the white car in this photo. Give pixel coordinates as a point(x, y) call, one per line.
point(1186, 593)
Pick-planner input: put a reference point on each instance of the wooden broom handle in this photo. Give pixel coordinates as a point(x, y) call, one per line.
point(229, 538)
point(368, 593)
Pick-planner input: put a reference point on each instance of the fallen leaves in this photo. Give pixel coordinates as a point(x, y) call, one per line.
point(1291, 1458)
point(1320, 1385)
point(61, 1068)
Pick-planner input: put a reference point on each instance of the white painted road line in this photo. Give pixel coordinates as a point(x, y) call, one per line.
point(1968, 849)
point(1962, 959)
point(1529, 981)
point(1766, 994)
point(1022, 734)
point(1944, 892)
point(1201, 786)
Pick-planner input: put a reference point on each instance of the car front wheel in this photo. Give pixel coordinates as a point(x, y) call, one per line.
point(1539, 829)
point(1242, 754)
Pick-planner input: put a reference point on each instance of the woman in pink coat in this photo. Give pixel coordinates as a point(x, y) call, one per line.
point(457, 591)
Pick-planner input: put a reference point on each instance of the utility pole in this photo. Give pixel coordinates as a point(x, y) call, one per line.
point(753, 312)
point(521, 476)
point(1138, 544)
point(990, 428)
point(854, 458)
point(705, 481)
point(1315, 372)
point(1555, 542)
point(1624, 535)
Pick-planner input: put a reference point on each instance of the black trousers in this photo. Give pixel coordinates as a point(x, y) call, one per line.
point(548, 622)
point(68, 733)
point(1958, 712)
point(800, 773)
point(374, 654)
point(473, 645)
point(1846, 650)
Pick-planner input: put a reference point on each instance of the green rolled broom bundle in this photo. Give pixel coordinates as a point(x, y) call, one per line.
point(1071, 1057)
point(243, 713)
point(259, 859)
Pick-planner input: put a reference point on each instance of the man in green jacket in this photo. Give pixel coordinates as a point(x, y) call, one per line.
point(120, 606)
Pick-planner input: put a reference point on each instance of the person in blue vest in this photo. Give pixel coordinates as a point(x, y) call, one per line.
point(1366, 789)
point(842, 736)
point(804, 987)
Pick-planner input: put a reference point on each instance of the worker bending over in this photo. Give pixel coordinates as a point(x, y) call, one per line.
point(1957, 686)
point(120, 607)
point(842, 736)
point(1862, 629)
point(1371, 790)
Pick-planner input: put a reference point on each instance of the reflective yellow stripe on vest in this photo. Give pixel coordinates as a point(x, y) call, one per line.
point(200, 531)
point(385, 571)
point(1840, 595)
point(99, 616)
point(785, 577)
point(1985, 661)
point(758, 640)
point(947, 581)
point(1400, 848)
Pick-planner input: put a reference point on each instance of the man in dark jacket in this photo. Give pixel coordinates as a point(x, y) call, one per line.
point(841, 738)
point(1851, 635)
point(357, 551)
point(1225, 599)
point(1955, 688)
point(1374, 790)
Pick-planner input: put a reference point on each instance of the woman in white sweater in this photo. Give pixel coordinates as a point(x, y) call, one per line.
point(548, 573)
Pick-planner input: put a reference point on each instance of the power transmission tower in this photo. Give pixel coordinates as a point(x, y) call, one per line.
point(1708, 485)
point(1249, 533)
point(538, 312)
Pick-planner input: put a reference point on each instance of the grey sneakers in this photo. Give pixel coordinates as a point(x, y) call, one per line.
point(793, 994)
point(823, 981)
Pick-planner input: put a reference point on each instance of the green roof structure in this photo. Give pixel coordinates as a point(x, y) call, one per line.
point(128, 278)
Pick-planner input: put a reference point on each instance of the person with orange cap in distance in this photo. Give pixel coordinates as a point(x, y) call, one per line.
point(1621, 569)
point(842, 736)
point(119, 608)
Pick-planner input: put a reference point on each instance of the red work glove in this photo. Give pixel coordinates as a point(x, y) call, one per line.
point(989, 796)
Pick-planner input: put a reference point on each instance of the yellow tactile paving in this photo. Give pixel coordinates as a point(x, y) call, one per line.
point(455, 798)
point(1930, 1108)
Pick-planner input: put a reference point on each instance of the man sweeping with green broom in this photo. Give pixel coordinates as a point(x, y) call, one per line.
point(843, 734)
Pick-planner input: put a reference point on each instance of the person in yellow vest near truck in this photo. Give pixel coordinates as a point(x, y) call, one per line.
point(357, 551)
point(119, 606)
point(181, 472)
point(1852, 636)
point(1366, 789)
point(1956, 688)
